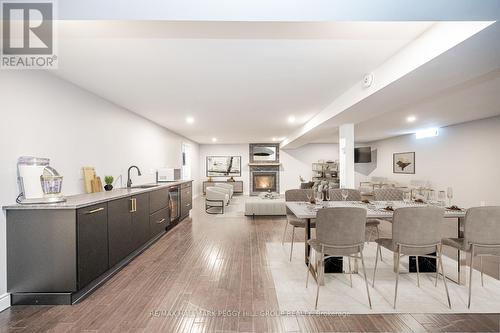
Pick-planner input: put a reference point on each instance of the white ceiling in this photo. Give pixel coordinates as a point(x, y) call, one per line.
point(239, 81)
point(461, 85)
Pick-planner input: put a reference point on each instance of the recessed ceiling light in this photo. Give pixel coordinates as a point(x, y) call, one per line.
point(411, 119)
point(274, 139)
point(214, 139)
point(291, 119)
point(189, 120)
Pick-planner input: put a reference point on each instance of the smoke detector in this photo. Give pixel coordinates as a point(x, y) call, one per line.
point(367, 80)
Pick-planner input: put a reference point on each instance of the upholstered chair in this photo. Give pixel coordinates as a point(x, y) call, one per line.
point(415, 232)
point(355, 195)
point(340, 231)
point(223, 190)
point(226, 186)
point(481, 237)
point(388, 194)
point(215, 198)
point(295, 222)
point(336, 195)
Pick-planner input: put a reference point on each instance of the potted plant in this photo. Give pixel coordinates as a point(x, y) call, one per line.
point(109, 183)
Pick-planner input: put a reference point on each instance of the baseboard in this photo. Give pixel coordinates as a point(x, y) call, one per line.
point(4, 301)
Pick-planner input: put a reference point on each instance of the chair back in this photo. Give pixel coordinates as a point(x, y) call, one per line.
point(341, 226)
point(336, 195)
point(482, 225)
point(417, 226)
point(297, 195)
point(388, 194)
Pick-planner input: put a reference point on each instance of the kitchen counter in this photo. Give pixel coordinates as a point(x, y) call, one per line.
point(85, 200)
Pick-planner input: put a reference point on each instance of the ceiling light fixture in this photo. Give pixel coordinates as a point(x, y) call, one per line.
point(427, 133)
point(291, 119)
point(411, 119)
point(214, 139)
point(274, 139)
point(189, 120)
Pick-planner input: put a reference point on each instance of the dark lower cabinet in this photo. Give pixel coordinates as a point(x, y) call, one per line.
point(92, 234)
point(140, 220)
point(158, 221)
point(119, 229)
point(186, 200)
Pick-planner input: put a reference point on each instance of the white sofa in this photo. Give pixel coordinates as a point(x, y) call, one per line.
point(216, 198)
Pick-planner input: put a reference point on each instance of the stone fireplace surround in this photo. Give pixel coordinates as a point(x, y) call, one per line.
point(263, 169)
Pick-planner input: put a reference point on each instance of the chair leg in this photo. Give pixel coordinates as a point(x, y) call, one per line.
point(397, 276)
point(379, 249)
point(284, 233)
point(350, 270)
point(482, 274)
point(418, 272)
point(470, 274)
point(291, 245)
point(308, 269)
point(318, 274)
point(440, 262)
point(366, 280)
point(375, 268)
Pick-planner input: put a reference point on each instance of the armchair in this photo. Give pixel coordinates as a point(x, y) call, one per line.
point(228, 187)
point(215, 198)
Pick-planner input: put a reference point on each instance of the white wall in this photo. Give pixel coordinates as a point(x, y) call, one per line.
point(44, 116)
point(294, 162)
point(465, 157)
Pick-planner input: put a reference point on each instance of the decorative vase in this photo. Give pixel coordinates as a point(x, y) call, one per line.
point(108, 187)
point(231, 179)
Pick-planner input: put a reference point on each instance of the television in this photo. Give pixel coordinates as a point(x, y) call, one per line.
point(363, 155)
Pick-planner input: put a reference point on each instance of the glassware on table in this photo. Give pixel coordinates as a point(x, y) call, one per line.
point(319, 196)
point(327, 195)
point(442, 198)
point(344, 193)
point(449, 195)
point(432, 196)
point(407, 197)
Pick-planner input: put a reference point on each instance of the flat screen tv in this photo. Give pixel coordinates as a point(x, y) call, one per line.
point(363, 155)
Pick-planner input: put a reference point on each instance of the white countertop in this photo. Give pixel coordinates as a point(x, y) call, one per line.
point(90, 199)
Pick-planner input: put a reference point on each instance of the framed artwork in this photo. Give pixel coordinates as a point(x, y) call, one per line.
point(223, 166)
point(403, 163)
point(264, 152)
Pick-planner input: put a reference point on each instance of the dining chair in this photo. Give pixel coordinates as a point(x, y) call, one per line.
point(355, 195)
point(336, 195)
point(295, 222)
point(340, 231)
point(415, 232)
point(481, 237)
point(388, 194)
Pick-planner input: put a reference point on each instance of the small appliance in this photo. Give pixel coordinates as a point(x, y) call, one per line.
point(38, 181)
point(167, 175)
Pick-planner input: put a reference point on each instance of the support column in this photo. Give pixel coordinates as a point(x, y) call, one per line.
point(346, 155)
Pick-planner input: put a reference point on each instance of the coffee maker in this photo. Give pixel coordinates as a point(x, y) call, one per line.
point(39, 183)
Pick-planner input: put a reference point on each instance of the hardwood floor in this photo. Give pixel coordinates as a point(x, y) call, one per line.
point(212, 263)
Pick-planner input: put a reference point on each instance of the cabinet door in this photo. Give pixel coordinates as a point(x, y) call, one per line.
point(119, 229)
point(158, 221)
point(186, 201)
point(158, 200)
point(92, 231)
point(140, 220)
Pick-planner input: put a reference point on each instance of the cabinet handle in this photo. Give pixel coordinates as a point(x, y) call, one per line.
point(95, 210)
point(133, 205)
point(161, 221)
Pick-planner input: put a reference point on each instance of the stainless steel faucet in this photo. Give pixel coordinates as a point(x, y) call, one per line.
point(129, 181)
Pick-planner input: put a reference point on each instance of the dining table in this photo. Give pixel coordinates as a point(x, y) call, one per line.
point(383, 210)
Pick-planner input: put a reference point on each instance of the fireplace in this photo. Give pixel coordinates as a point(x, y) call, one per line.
point(264, 178)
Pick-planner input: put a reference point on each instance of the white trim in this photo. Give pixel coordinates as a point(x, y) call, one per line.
point(4, 301)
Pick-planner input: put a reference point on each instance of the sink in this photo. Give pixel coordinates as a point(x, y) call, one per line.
point(145, 186)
